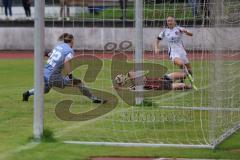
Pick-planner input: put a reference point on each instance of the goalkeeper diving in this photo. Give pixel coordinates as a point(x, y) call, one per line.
point(166, 82)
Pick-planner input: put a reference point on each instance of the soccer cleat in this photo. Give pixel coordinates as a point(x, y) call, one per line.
point(97, 100)
point(26, 96)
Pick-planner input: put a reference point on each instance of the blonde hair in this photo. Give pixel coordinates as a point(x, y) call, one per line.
point(170, 17)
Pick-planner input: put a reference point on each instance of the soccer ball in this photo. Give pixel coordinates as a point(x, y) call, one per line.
point(120, 79)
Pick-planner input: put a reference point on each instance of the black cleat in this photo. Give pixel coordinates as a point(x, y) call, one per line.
point(96, 100)
point(26, 96)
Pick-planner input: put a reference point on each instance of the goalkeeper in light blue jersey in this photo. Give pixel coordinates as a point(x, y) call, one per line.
point(59, 59)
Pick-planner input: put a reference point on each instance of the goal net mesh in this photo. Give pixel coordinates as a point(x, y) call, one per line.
point(106, 29)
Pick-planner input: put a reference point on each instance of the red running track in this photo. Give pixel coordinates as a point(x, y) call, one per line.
point(115, 158)
point(196, 55)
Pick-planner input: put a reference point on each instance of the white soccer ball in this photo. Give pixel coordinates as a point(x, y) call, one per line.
point(120, 79)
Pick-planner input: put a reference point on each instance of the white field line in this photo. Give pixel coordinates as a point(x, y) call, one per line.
point(9, 153)
point(137, 144)
point(31, 145)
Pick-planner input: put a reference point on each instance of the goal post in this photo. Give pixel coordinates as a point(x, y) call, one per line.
point(223, 74)
point(39, 45)
point(139, 48)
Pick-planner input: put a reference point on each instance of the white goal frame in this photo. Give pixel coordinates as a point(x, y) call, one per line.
point(38, 118)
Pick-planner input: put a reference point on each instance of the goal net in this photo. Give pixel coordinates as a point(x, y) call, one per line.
point(107, 43)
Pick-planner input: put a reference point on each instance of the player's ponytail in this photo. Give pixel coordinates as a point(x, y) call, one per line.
point(66, 38)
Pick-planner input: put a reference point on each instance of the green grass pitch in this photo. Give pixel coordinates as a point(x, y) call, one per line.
point(16, 121)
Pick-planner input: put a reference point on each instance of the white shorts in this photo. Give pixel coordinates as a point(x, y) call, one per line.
point(181, 55)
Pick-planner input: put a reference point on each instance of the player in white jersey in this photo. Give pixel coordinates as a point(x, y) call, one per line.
point(176, 51)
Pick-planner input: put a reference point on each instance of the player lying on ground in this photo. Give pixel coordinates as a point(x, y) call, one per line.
point(173, 34)
point(60, 59)
point(167, 82)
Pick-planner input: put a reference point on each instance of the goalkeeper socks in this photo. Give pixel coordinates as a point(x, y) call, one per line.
point(85, 91)
point(31, 92)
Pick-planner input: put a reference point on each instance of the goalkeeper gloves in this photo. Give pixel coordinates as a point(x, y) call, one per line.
point(70, 76)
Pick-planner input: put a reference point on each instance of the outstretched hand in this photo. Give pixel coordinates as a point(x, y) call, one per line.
point(183, 30)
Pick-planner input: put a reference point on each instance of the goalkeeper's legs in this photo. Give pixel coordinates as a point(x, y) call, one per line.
point(58, 81)
point(84, 90)
point(175, 76)
point(30, 92)
point(181, 86)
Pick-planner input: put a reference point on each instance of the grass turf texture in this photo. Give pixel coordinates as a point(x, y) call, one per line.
point(16, 121)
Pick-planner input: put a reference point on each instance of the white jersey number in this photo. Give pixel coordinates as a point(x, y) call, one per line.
point(55, 56)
